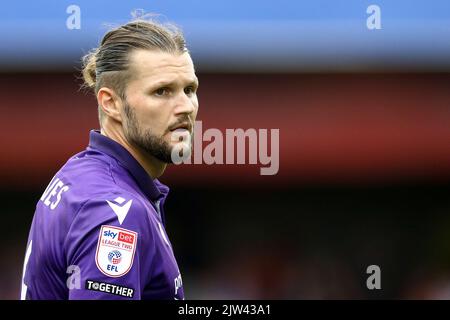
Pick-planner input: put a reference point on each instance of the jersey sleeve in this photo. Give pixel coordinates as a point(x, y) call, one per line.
point(109, 249)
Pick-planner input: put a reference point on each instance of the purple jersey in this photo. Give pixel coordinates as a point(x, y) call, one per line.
point(98, 232)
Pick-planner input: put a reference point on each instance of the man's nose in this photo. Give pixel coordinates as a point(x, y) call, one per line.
point(184, 104)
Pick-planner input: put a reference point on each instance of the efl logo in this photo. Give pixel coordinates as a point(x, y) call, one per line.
point(115, 257)
point(115, 250)
point(126, 237)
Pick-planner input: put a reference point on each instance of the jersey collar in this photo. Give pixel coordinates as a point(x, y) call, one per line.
point(153, 189)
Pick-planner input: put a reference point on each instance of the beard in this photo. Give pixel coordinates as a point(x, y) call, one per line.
point(146, 140)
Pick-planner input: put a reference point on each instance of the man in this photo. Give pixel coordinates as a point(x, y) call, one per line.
point(99, 231)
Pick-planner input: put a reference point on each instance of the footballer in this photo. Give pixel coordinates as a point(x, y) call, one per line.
point(98, 231)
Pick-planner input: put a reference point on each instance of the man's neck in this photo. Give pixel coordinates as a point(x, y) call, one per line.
point(153, 166)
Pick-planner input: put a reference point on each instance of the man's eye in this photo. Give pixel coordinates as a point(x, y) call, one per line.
point(189, 90)
point(162, 91)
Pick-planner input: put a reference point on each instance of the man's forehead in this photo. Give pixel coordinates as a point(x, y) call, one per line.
point(162, 66)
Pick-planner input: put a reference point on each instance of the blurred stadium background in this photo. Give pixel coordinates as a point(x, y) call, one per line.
point(364, 119)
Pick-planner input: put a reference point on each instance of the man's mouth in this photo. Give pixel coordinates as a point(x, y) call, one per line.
point(182, 126)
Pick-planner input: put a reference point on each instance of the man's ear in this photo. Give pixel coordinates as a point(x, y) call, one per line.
point(110, 103)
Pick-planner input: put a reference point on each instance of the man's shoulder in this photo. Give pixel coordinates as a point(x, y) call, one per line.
point(88, 165)
point(90, 171)
point(89, 176)
point(92, 184)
